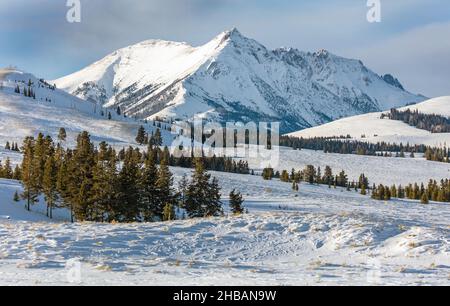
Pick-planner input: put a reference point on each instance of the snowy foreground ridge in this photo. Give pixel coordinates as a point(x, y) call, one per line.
point(315, 237)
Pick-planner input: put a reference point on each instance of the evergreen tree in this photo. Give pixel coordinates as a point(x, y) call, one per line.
point(16, 197)
point(267, 174)
point(7, 170)
point(30, 192)
point(128, 207)
point(164, 185)
point(168, 212)
point(203, 196)
point(62, 135)
point(156, 139)
point(140, 138)
point(149, 191)
point(80, 173)
point(183, 189)
point(363, 190)
point(236, 201)
point(425, 199)
point(17, 175)
point(309, 174)
point(49, 185)
point(284, 176)
point(328, 177)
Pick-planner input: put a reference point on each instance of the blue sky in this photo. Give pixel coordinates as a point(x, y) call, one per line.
point(412, 41)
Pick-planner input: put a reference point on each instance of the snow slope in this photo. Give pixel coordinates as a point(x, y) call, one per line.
point(379, 170)
point(235, 78)
point(22, 116)
point(371, 128)
point(317, 236)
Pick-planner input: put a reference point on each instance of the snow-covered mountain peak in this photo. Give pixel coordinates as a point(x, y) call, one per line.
point(233, 77)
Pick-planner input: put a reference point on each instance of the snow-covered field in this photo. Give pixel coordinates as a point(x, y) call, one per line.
point(317, 236)
point(379, 170)
point(371, 128)
point(21, 116)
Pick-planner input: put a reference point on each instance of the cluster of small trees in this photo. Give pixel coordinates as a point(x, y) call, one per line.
point(433, 123)
point(154, 139)
point(13, 146)
point(219, 164)
point(95, 184)
point(6, 171)
point(437, 154)
point(27, 90)
point(433, 191)
point(313, 175)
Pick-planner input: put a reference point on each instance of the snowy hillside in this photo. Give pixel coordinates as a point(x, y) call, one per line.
point(22, 116)
point(235, 78)
point(318, 236)
point(371, 128)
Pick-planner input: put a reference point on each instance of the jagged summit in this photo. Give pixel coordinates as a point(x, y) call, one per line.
point(233, 77)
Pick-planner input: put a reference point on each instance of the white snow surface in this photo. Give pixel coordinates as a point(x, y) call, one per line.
point(317, 236)
point(233, 78)
point(371, 128)
point(52, 109)
point(379, 170)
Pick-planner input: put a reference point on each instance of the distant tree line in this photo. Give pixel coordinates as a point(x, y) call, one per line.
point(342, 145)
point(97, 184)
point(430, 122)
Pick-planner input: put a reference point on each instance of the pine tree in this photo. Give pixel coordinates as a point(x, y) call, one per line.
point(168, 212)
point(80, 177)
point(62, 182)
point(425, 199)
point(140, 138)
point(156, 139)
point(284, 176)
point(182, 190)
point(62, 135)
point(148, 187)
point(49, 185)
point(7, 170)
point(164, 185)
point(309, 174)
point(17, 175)
point(267, 174)
point(127, 209)
point(363, 190)
point(39, 158)
point(16, 197)
point(203, 196)
point(328, 177)
point(236, 201)
point(104, 185)
point(30, 193)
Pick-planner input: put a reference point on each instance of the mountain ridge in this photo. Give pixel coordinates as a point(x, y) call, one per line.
point(235, 78)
